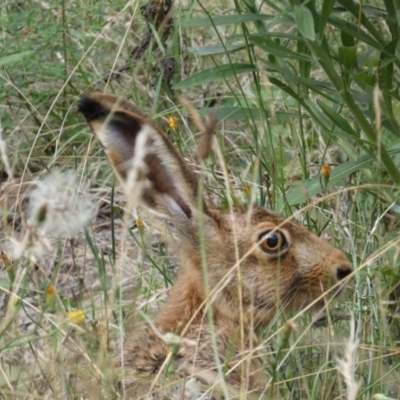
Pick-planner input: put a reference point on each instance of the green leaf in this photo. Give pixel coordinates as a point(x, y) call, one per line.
point(391, 125)
point(354, 30)
point(276, 49)
point(358, 13)
point(12, 58)
point(348, 56)
point(217, 73)
point(347, 39)
point(327, 6)
point(243, 113)
point(305, 22)
point(386, 65)
point(380, 396)
point(224, 20)
point(391, 18)
point(370, 80)
point(212, 50)
point(302, 191)
point(307, 104)
point(337, 119)
point(385, 76)
point(7, 284)
point(304, 66)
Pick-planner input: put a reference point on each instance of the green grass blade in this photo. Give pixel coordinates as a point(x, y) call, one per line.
point(224, 20)
point(213, 74)
point(304, 21)
point(12, 58)
point(272, 47)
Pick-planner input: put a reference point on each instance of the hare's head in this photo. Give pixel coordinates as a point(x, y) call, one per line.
point(251, 254)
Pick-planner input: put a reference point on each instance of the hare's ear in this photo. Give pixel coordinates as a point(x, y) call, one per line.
point(149, 167)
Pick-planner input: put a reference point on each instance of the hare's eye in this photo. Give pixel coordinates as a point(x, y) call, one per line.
point(272, 241)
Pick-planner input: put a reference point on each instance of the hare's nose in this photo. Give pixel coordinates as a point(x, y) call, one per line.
point(343, 272)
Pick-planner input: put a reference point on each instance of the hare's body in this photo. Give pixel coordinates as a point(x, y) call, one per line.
point(257, 263)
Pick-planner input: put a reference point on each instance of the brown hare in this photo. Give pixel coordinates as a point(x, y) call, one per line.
point(238, 267)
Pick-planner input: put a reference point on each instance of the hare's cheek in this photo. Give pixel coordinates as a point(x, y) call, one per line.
point(316, 279)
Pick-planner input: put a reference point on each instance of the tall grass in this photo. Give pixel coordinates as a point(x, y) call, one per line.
point(296, 85)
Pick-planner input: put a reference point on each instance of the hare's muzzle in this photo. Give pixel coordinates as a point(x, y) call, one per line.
point(343, 272)
point(342, 268)
point(339, 265)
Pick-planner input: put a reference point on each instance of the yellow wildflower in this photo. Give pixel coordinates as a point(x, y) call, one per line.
point(9, 266)
point(50, 294)
point(173, 122)
point(77, 317)
point(5, 259)
point(139, 223)
point(326, 171)
point(246, 190)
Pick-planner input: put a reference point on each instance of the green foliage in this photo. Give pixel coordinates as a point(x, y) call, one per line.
point(351, 71)
point(334, 68)
point(296, 85)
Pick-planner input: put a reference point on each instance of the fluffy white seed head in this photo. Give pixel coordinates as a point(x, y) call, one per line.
point(60, 204)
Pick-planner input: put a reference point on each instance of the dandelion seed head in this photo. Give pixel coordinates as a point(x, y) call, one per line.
point(60, 205)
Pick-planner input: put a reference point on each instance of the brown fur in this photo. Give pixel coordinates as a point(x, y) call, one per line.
point(158, 178)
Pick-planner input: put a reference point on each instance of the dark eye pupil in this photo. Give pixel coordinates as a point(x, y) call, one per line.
point(272, 241)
